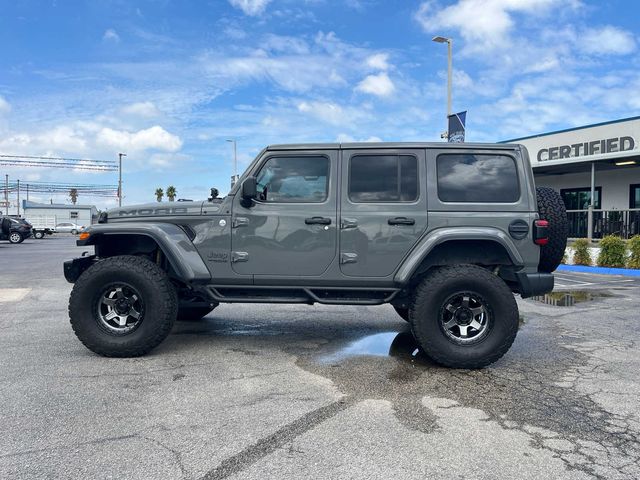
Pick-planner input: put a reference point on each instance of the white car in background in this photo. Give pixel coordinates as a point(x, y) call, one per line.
point(68, 227)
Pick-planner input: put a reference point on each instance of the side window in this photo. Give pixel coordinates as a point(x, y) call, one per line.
point(383, 178)
point(294, 179)
point(480, 178)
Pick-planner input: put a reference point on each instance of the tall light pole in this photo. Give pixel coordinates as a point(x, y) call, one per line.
point(120, 155)
point(449, 42)
point(234, 177)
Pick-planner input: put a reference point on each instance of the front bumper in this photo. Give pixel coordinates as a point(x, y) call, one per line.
point(531, 284)
point(74, 268)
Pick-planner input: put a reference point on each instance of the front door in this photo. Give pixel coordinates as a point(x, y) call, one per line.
point(290, 230)
point(383, 209)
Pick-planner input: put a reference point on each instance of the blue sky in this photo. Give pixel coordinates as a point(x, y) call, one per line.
point(168, 81)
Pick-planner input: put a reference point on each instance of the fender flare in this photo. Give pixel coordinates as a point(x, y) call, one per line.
point(172, 240)
point(441, 235)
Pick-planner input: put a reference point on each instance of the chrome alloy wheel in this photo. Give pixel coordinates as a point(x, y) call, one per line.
point(120, 309)
point(465, 318)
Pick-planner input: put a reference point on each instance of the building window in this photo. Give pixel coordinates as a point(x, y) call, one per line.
point(480, 178)
point(383, 178)
point(73, 215)
point(634, 196)
point(579, 198)
point(294, 179)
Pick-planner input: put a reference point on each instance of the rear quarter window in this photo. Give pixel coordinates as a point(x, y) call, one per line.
point(477, 178)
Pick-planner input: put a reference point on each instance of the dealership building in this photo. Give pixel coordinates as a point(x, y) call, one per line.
point(599, 162)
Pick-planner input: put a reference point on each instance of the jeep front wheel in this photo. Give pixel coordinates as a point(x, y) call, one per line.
point(464, 316)
point(123, 306)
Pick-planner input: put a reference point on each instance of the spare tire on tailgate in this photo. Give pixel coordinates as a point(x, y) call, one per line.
point(551, 208)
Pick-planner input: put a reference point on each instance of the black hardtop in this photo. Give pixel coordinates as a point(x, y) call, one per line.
point(392, 145)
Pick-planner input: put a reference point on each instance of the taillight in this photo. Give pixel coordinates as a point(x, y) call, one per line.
point(540, 232)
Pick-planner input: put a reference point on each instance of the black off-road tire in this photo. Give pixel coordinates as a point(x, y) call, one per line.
point(430, 300)
point(158, 294)
point(551, 208)
point(403, 312)
point(192, 314)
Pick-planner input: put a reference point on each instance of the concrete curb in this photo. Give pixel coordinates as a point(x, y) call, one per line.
point(600, 270)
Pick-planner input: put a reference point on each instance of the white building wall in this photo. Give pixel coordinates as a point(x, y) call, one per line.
point(62, 215)
point(615, 184)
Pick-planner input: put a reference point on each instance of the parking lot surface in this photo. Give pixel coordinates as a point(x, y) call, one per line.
point(279, 391)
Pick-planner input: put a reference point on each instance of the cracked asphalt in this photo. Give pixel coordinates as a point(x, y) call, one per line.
point(279, 391)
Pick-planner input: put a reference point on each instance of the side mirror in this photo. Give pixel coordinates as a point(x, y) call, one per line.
point(248, 190)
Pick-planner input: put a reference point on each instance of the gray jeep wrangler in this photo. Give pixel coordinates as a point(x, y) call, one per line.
point(445, 233)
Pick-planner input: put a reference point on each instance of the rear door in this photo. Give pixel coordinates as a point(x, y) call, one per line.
point(383, 209)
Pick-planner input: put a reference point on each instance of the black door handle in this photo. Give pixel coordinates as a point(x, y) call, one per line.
point(401, 221)
point(317, 221)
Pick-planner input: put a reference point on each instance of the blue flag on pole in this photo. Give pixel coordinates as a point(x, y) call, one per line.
point(457, 127)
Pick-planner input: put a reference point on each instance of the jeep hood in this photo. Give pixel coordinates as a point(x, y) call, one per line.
point(156, 209)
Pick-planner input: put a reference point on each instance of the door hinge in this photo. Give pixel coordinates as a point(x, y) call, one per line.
point(348, 258)
point(240, 222)
point(239, 257)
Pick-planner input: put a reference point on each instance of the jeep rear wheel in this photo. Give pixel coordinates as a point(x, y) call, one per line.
point(123, 306)
point(551, 208)
point(464, 316)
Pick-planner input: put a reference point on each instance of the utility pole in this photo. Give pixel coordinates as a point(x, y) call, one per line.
point(6, 192)
point(449, 42)
point(27, 192)
point(18, 197)
point(120, 155)
point(234, 177)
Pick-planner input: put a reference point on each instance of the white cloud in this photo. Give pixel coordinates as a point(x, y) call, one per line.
point(141, 109)
point(607, 40)
point(346, 138)
point(379, 61)
point(380, 85)
point(110, 35)
point(326, 111)
point(5, 107)
point(484, 24)
point(252, 8)
point(156, 138)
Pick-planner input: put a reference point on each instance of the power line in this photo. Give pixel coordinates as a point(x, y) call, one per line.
point(58, 162)
point(112, 162)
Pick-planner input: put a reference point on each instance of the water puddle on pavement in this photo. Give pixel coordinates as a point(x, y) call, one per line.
point(570, 298)
point(387, 344)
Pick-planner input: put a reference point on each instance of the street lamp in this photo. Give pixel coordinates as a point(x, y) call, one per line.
point(234, 177)
point(449, 42)
point(120, 155)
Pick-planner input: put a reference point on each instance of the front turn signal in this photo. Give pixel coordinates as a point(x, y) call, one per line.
point(84, 235)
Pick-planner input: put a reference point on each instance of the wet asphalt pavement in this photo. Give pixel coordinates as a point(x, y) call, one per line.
point(277, 391)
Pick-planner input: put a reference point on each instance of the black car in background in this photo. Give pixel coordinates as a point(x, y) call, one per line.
point(19, 229)
point(5, 226)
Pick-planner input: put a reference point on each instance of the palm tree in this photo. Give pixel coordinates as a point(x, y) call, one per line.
point(159, 194)
point(73, 195)
point(171, 193)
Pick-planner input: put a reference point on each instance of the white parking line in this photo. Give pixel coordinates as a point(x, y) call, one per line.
point(13, 294)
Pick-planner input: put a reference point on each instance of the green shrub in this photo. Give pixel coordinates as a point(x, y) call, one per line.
point(581, 255)
point(634, 248)
point(613, 252)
